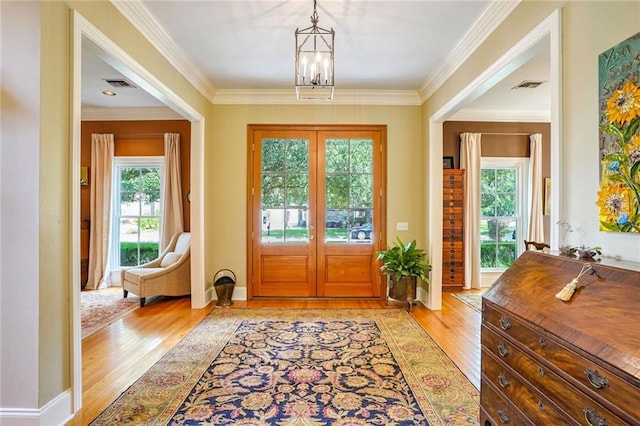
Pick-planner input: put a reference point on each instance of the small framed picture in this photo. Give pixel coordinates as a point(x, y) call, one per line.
point(447, 162)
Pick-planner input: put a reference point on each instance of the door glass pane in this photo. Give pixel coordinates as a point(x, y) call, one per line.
point(349, 190)
point(337, 191)
point(336, 223)
point(284, 190)
point(337, 156)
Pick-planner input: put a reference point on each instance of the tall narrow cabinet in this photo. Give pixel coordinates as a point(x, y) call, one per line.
point(452, 229)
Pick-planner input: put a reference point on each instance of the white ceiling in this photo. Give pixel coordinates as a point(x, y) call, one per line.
point(406, 47)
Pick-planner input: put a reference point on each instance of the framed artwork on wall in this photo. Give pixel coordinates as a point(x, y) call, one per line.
point(619, 122)
point(447, 162)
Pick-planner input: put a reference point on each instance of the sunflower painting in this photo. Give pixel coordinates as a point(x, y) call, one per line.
point(619, 87)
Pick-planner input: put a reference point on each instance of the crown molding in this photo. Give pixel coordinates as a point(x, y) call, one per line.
point(340, 97)
point(496, 12)
point(126, 114)
point(534, 116)
point(141, 18)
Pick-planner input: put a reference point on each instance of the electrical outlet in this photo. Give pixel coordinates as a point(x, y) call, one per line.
point(402, 226)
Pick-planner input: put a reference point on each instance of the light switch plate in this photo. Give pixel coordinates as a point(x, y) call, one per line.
point(402, 226)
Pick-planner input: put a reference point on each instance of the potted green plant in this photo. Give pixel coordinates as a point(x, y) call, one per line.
point(404, 263)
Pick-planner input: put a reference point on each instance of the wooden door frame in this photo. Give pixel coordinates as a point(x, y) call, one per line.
point(251, 128)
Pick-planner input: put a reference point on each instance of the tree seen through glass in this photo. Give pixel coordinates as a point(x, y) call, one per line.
point(139, 215)
point(498, 221)
point(285, 190)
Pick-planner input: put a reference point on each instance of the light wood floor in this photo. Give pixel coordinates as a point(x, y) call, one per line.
point(114, 357)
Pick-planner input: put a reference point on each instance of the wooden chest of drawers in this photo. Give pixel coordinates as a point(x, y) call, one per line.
point(452, 229)
point(550, 362)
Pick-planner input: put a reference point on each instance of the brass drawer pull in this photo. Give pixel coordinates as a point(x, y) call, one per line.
point(541, 406)
point(540, 371)
point(505, 324)
point(503, 350)
point(592, 417)
point(503, 416)
point(502, 379)
point(596, 380)
point(543, 342)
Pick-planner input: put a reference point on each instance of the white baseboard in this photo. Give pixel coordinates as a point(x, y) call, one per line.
point(56, 412)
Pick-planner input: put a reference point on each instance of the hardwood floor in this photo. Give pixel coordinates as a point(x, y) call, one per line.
point(114, 357)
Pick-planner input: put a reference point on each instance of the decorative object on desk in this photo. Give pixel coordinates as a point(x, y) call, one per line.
point(619, 100)
point(447, 162)
point(588, 253)
point(583, 252)
point(567, 250)
point(567, 292)
point(404, 263)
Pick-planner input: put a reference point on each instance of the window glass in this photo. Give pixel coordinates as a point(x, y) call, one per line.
point(137, 212)
point(502, 204)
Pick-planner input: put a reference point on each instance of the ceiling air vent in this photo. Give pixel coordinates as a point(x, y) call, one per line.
point(528, 85)
point(120, 83)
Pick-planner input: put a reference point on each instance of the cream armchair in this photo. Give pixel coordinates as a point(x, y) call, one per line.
point(168, 275)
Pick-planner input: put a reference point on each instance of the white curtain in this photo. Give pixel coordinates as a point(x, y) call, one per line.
point(172, 215)
point(102, 148)
point(470, 156)
point(536, 224)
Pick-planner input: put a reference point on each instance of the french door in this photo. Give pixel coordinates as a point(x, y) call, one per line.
point(316, 216)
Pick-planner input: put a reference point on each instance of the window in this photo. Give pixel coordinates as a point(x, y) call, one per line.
point(136, 210)
point(502, 211)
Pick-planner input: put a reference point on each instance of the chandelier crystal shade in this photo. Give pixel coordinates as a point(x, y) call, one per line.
point(314, 61)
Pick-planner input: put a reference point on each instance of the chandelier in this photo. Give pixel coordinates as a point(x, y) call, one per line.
point(314, 61)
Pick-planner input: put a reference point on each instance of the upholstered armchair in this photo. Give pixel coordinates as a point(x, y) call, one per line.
point(168, 275)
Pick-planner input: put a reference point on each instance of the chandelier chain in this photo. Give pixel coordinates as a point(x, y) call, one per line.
point(314, 18)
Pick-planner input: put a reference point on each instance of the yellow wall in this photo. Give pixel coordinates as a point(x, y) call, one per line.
point(54, 226)
point(54, 245)
point(589, 30)
point(226, 170)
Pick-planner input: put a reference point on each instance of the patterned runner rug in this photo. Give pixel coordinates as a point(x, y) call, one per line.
point(301, 367)
point(99, 308)
point(473, 300)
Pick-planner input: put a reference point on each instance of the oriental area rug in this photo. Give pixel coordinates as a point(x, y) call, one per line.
point(99, 308)
point(301, 367)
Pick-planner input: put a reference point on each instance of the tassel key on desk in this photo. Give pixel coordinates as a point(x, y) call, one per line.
point(568, 290)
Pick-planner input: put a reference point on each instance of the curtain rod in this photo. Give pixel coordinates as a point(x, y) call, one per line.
point(136, 134)
point(507, 134)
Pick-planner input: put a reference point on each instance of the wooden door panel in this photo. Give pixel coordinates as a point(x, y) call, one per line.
point(285, 276)
point(350, 276)
point(348, 268)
